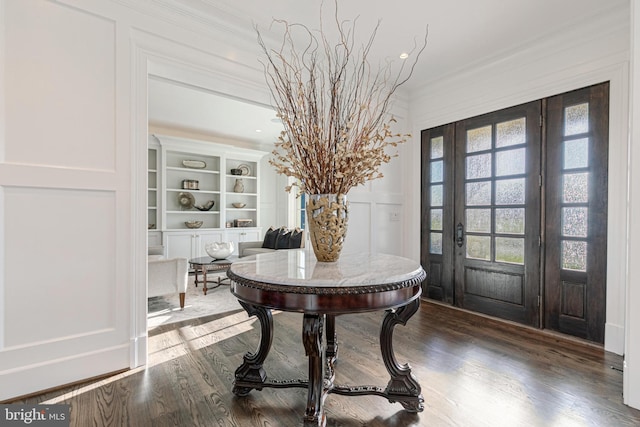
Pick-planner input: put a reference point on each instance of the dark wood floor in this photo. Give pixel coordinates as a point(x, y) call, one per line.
point(473, 371)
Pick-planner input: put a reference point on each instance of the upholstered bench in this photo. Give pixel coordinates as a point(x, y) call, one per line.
point(274, 239)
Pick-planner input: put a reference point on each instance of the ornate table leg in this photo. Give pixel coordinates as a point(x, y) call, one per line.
point(312, 325)
point(251, 374)
point(195, 274)
point(403, 386)
point(332, 346)
point(204, 279)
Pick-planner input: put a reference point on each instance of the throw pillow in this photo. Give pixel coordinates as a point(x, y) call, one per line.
point(295, 241)
point(270, 238)
point(282, 241)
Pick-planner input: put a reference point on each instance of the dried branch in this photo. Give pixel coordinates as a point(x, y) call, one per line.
point(334, 107)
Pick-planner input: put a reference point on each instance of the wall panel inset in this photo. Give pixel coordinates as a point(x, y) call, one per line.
point(60, 274)
point(60, 86)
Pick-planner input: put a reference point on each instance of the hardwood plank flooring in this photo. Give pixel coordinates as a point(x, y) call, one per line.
point(474, 371)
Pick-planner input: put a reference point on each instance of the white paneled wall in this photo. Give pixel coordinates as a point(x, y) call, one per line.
point(65, 179)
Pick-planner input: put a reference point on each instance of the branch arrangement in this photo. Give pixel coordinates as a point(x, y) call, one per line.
point(334, 108)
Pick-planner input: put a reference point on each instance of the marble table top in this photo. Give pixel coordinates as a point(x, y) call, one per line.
point(300, 268)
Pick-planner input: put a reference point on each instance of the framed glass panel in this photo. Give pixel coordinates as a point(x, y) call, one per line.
point(478, 193)
point(435, 243)
point(479, 247)
point(512, 132)
point(437, 147)
point(478, 166)
point(478, 220)
point(576, 153)
point(510, 220)
point(437, 171)
point(510, 249)
point(574, 255)
point(479, 139)
point(510, 191)
point(575, 187)
point(436, 195)
point(436, 219)
point(511, 162)
point(576, 119)
point(575, 221)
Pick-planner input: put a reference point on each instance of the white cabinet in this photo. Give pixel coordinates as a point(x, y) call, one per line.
point(155, 238)
point(185, 174)
point(189, 244)
point(242, 235)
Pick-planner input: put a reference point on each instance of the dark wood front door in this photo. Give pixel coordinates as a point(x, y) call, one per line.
point(497, 213)
point(516, 196)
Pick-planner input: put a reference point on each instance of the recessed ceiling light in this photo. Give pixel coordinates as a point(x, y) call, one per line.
point(404, 55)
point(258, 130)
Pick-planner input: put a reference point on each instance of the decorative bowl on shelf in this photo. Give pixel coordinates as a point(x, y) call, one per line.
point(194, 164)
point(236, 171)
point(207, 206)
point(239, 205)
point(246, 170)
point(186, 200)
point(219, 250)
point(193, 224)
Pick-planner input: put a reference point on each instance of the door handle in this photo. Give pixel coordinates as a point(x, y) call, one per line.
point(460, 234)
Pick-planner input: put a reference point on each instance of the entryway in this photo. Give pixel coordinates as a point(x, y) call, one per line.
point(514, 212)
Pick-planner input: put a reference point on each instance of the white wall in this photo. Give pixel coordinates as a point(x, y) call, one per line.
point(632, 343)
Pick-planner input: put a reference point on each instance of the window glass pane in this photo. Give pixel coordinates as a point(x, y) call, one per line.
point(435, 244)
point(479, 166)
point(436, 195)
point(575, 188)
point(478, 193)
point(510, 162)
point(479, 139)
point(436, 171)
point(512, 132)
point(479, 220)
point(479, 247)
point(510, 250)
point(574, 222)
point(510, 191)
point(574, 255)
point(576, 153)
point(436, 219)
point(437, 147)
point(510, 220)
point(576, 119)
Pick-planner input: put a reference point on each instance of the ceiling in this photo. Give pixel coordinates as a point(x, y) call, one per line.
point(461, 34)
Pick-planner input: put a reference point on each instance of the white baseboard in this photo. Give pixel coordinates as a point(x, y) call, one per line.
point(614, 338)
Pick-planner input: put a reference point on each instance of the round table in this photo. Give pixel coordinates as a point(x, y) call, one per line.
point(293, 280)
point(206, 264)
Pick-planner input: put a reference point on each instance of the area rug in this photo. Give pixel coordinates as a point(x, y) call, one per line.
point(165, 310)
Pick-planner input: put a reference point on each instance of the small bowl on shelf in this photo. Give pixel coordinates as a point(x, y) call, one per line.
point(236, 171)
point(207, 206)
point(193, 224)
point(239, 205)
